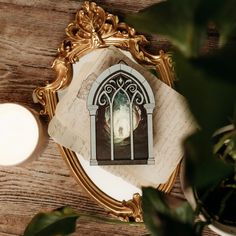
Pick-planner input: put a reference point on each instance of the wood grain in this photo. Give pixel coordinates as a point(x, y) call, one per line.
point(30, 33)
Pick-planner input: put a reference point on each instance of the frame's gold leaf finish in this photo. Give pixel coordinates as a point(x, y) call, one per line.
point(95, 28)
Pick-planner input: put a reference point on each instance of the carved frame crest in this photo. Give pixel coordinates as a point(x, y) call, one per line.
point(95, 28)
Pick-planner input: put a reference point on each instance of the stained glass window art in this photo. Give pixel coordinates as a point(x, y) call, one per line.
point(121, 103)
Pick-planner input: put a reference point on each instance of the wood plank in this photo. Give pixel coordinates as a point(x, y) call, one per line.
point(121, 6)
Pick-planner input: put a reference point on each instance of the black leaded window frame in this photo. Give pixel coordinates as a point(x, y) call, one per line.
point(123, 78)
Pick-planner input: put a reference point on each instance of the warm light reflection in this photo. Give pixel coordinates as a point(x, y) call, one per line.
point(19, 134)
point(122, 122)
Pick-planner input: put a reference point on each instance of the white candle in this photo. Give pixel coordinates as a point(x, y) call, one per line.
point(19, 134)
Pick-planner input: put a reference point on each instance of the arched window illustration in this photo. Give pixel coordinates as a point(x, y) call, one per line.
point(121, 103)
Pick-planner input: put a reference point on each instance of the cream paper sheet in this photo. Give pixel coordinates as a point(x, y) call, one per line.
point(172, 120)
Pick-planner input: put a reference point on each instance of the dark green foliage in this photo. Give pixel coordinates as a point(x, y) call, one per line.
point(234, 116)
point(209, 84)
point(60, 222)
point(202, 168)
point(211, 100)
point(161, 220)
point(173, 19)
point(209, 91)
point(184, 22)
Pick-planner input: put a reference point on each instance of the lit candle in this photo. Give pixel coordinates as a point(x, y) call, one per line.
point(19, 134)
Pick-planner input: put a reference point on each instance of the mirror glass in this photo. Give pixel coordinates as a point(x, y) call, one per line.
point(111, 184)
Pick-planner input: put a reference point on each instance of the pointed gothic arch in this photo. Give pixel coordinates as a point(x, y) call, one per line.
point(121, 103)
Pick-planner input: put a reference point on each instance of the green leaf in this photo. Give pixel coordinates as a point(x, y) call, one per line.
point(221, 14)
point(210, 97)
point(226, 20)
point(226, 139)
point(202, 167)
point(210, 92)
point(153, 202)
point(185, 213)
point(185, 22)
point(59, 222)
point(234, 116)
point(175, 20)
point(218, 66)
point(161, 220)
point(199, 226)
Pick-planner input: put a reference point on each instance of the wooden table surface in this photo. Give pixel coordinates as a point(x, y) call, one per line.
point(30, 32)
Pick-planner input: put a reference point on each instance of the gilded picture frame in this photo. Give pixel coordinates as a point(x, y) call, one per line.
point(95, 28)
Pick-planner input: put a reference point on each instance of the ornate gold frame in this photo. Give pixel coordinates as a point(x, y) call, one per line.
point(95, 28)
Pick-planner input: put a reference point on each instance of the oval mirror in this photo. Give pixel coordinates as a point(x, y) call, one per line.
point(102, 81)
